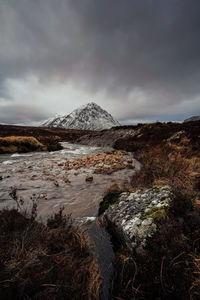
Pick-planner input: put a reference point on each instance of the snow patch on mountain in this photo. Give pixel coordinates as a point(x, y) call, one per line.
point(87, 117)
point(55, 119)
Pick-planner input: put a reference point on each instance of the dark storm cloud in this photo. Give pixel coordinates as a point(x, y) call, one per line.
point(118, 46)
point(148, 44)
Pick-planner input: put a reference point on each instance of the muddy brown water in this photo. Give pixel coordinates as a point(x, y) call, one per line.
point(43, 174)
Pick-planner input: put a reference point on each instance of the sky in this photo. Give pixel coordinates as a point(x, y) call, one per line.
point(138, 59)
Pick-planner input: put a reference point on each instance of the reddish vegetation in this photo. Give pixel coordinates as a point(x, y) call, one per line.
point(45, 262)
point(170, 155)
point(157, 133)
point(169, 267)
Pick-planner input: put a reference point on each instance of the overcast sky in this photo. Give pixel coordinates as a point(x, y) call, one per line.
point(138, 59)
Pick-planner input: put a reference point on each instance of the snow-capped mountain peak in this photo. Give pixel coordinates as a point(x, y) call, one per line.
point(55, 119)
point(89, 117)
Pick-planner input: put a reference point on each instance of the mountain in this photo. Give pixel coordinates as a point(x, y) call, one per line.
point(88, 117)
point(194, 118)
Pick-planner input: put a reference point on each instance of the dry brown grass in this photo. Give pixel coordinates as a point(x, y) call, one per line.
point(18, 140)
point(113, 188)
point(50, 261)
point(178, 167)
point(20, 144)
point(161, 165)
point(51, 142)
point(170, 267)
point(195, 288)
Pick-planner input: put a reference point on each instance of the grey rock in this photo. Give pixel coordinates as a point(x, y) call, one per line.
point(134, 220)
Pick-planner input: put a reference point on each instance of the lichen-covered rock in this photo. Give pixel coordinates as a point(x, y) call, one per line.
point(133, 218)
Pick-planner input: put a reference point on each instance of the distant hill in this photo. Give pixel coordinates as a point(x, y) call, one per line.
point(194, 118)
point(87, 117)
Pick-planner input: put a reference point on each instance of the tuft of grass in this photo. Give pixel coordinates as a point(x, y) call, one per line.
point(162, 166)
point(20, 144)
point(50, 261)
point(169, 268)
point(111, 197)
point(195, 288)
point(52, 142)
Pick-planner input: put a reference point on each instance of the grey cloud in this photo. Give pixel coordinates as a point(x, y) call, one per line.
point(21, 114)
point(116, 46)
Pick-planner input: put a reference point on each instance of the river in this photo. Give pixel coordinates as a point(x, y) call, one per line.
point(43, 176)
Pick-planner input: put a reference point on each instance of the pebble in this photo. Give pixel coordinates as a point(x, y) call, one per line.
point(89, 178)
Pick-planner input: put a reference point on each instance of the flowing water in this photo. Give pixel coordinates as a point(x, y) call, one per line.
point(44, 176)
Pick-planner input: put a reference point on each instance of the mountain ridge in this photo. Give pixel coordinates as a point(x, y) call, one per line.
point(88, 117)
point(191, 119)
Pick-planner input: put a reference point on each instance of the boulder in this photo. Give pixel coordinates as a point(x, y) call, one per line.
point(133, 217)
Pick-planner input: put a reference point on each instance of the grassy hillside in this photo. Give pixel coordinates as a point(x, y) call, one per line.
point(169, 268)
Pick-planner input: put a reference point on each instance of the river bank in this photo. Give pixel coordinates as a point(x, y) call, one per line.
point(51, 180)
point(157, 244)
point(163, 266)
point(23, 139)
